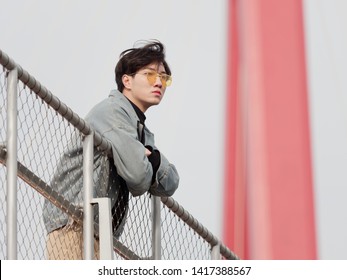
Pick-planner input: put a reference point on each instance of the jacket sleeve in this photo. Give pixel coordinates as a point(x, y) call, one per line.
point(167, 179)
point(128, 153)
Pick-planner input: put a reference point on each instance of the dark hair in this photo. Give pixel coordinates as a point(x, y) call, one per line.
point(134, 59)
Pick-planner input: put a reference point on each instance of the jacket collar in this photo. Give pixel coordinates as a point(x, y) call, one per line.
point(124, 103)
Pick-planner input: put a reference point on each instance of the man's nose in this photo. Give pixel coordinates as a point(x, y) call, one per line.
point(158, 81)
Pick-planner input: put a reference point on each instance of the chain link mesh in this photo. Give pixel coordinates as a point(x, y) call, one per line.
point(179, 241)
point(43, 138)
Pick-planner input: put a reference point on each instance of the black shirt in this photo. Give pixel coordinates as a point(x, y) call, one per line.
point(154, 157)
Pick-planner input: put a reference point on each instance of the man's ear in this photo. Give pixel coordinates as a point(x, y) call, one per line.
point(126, 81)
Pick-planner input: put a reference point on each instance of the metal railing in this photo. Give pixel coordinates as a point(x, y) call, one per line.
point(36, 129)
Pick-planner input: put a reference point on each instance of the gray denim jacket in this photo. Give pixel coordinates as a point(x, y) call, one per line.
point(116, 120)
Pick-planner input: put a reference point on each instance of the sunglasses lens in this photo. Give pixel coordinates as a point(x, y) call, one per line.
point(168, 80)
point(163, 81)
point(151, 77)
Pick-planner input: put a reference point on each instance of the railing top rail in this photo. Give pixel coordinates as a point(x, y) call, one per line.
point(54, 102)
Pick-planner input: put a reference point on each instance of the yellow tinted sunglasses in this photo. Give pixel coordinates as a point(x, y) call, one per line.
point(165, 79)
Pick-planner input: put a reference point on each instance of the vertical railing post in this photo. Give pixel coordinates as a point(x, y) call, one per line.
point(215, 252)
point(11, 163)
point(156, 230)
point(88, 213)
point(105, 228)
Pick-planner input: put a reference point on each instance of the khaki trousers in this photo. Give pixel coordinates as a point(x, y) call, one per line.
point(67, 244)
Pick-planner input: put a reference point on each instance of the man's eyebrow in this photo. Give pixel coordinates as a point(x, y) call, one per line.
point(153, 69)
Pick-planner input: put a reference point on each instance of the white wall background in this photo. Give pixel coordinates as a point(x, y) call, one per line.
point(326, 40)
point(71, 47)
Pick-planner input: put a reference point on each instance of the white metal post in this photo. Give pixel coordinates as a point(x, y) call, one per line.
point(88, 213)
point(11, 163)
point(105, 228)
point(156, 230)
point(215, 252)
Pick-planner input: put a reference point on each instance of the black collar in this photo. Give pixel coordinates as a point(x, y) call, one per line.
point(138, 112)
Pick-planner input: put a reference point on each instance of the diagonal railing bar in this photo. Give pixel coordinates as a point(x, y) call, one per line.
point(44, 189)
point(61, 108)
point(59, 201)
point(194, 224)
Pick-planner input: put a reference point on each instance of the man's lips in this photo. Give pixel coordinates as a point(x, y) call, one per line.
point(157, 92)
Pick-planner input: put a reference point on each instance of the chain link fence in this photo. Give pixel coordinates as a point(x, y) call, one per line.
point(46, 130)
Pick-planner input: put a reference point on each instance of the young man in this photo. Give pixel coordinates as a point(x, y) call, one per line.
point(136, 166)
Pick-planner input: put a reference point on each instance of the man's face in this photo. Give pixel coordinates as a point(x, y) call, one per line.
point(146, 88)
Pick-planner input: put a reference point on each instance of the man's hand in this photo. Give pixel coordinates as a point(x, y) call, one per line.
point(148, 152)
